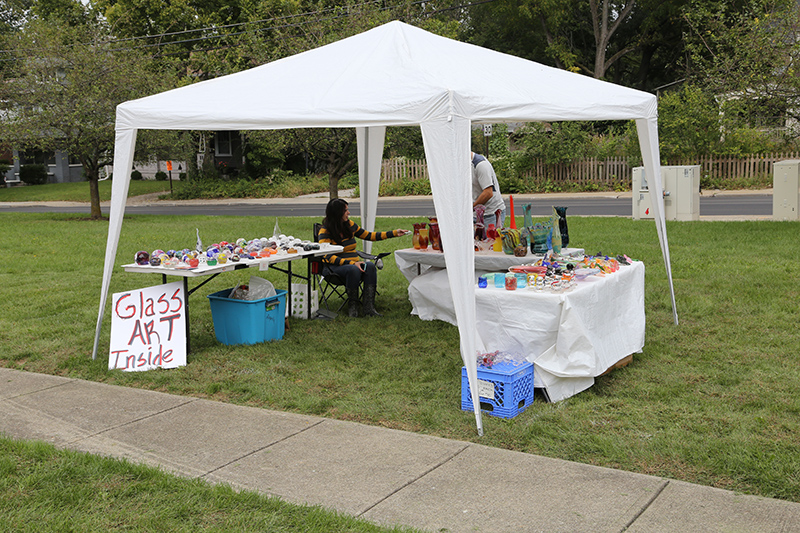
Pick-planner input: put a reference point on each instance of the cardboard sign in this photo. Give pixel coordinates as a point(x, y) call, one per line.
point(148, 328)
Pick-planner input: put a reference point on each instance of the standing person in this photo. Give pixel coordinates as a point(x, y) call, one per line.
point(337, 228)
point(486, 191)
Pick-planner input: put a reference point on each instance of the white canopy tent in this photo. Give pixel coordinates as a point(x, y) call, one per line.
point(394, 75)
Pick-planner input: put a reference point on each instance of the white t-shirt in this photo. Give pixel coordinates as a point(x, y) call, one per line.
point(483, 176)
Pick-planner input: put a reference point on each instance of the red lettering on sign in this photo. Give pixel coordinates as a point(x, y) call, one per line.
point(176, 298)
point(163, 301)
point(149, 310)
point(137, 332)
point(130, 310)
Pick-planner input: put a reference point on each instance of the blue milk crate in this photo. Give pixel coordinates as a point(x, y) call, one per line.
point(511, 385)
point(248, 321)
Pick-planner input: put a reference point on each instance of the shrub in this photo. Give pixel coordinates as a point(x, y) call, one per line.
point(511, 184)
point(33, 174)
point(136, 175)
point(161, 176)
point(406, 187)
point(348, 181)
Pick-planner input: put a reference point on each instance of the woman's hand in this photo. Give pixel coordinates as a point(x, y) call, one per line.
point(401, 232)
point(360, 265)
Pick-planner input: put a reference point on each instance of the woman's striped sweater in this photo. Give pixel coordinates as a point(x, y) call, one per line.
point(349, 255)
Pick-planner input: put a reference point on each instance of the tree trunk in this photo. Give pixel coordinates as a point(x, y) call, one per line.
point(604, 29)
point(333, 185)
point(94, 193)
point(335, 173)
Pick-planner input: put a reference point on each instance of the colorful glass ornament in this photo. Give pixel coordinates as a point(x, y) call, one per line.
point(142, 258)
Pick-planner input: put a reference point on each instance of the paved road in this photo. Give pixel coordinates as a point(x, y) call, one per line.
point(719, 205)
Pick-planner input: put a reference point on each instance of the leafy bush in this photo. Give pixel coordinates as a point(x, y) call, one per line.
point(688, 123)
point(279, 184)
point(33, 174)
point(161, 176)
point(406, 187)
point(559, 142)
point(278, 176)
point(348, 181)
point(510, 183)
point(743, 141)
point(136, 175)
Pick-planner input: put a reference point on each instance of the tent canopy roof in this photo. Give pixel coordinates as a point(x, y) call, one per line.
point(395, 74)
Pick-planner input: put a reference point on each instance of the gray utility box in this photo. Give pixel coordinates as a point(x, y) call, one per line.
point(785, 190)
point(681, 191)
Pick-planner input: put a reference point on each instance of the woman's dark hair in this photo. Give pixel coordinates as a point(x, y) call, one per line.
point(337, 229)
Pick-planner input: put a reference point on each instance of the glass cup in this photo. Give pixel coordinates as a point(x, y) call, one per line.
point(423, 239)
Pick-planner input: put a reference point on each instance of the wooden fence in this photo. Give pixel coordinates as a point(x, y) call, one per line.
point(725, 167)
point(609, 173)
point(397, 169)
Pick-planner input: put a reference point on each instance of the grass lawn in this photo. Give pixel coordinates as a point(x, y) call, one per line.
point(712, 401)
point(44, 489)
point(79, 191)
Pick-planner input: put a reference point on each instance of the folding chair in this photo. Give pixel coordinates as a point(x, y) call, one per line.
point(332, 286)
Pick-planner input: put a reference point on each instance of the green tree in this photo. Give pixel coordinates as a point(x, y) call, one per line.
point(579, 35)
point(747, 56)
point(66, 84)
point(559, 142)
point(634, 44)
point(688, 123)
point(12, 17)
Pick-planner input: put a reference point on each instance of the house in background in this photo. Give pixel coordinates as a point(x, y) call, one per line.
point(60, 167)
point(228, 158)
point(6, 157)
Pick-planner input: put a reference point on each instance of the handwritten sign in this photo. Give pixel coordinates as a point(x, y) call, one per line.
point(148, 328)
point(485, 389)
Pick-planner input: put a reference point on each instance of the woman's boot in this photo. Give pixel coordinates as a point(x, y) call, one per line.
point(352, 302)
point(369, 301)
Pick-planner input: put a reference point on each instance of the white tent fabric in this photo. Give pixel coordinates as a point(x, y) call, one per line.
point(370, 154)
point(395, 74)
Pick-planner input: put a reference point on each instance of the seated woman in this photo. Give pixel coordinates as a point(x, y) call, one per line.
point(337, 228)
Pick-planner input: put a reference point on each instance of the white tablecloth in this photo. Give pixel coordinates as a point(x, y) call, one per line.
point(570, 337)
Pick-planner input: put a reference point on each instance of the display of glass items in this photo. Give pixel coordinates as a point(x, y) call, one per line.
point(222, 252)
point(557, 273)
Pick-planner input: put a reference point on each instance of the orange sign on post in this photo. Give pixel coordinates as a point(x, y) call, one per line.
point(169, 166)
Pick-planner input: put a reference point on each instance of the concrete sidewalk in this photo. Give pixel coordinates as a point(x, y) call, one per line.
point(382, 475)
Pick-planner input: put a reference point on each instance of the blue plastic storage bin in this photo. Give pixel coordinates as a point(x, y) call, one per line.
point(248, 321)
point(511, 386)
